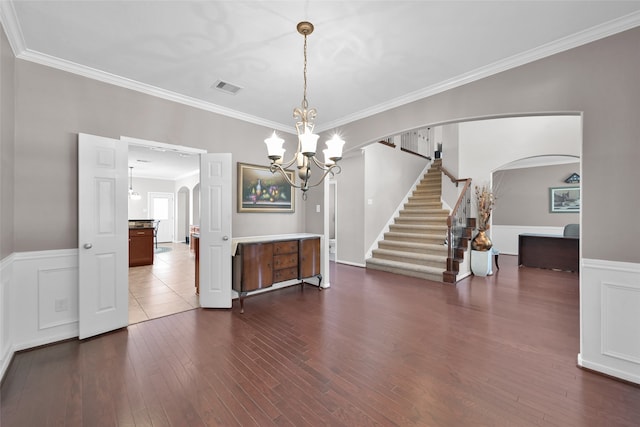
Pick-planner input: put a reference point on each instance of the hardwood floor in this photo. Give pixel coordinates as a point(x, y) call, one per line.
point(374, 349)
point(164, 288)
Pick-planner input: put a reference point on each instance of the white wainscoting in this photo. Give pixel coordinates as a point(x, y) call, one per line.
point(39, 300)
point(6, 340)
point(610, 318)
point(44, 297)
point(505, 237)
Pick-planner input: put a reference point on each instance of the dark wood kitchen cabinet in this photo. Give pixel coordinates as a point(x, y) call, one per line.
point(140, 246)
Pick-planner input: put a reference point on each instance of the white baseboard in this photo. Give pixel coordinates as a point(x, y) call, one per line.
point(355, 264)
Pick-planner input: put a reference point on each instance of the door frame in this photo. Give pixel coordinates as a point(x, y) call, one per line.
point(333, 183)
point(173, 147)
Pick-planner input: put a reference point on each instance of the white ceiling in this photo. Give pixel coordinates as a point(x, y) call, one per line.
point(364, 56)
point(155, 160)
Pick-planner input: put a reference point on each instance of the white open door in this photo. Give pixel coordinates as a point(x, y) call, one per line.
point(102, 235)
point(215, 230)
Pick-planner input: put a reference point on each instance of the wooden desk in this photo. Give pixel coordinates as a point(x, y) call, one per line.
point(549, 251)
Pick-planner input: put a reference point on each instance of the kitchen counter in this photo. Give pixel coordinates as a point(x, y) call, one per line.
point(140, 223)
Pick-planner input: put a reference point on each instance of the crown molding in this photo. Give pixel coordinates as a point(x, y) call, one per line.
point(598, 32)
point(126, 83)
point(9, 21)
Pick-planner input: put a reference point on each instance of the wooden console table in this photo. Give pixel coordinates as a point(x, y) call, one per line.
point(549, 251)
point(258, 263)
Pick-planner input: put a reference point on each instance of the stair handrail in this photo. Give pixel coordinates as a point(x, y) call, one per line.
point(453, 179)
point(458, 219)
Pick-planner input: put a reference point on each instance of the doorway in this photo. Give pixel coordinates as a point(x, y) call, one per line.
point(162, 211)
point(165, 175)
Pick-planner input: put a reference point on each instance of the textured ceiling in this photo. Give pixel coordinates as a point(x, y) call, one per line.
point(364, 56)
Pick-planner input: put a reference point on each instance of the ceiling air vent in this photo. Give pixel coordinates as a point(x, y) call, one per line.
point(226, 87)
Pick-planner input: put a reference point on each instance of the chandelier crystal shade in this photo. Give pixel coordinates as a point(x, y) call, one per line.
point(305, 154)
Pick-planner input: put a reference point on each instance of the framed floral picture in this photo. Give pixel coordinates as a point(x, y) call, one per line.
point(260, 190)
point(564, 199)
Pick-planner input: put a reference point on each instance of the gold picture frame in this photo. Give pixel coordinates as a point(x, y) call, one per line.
point(260, 190)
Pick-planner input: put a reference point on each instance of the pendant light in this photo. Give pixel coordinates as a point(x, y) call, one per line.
point(133, 195)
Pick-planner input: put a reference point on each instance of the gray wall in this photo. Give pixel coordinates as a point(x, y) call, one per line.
point(389, 174)
point(600, 79)
point(351, 215)
point(522, 195)
point(6, 146)
point(52, 106)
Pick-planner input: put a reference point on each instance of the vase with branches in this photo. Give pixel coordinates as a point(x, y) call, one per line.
point(485, 200)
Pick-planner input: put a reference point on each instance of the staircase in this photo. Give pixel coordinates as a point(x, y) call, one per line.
point(415, 244)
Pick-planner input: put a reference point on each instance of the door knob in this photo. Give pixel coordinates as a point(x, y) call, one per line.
point(88, 245)
point(225, 237)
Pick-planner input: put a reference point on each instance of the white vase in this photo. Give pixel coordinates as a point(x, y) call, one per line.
point(481, 263)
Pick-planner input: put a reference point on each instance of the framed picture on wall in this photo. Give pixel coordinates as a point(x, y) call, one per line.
point(260, 190)
point(564, 199)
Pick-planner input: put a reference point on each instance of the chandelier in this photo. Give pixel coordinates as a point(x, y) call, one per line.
point(305, 154)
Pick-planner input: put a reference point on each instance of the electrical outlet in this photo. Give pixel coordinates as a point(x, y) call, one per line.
point(318, 208)
point(61, 304)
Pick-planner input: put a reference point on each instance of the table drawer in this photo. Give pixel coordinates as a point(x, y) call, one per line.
point(285, 274)
point(285, 261)
point(287, 247)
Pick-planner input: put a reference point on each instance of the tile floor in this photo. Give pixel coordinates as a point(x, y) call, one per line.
point(166, 287)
